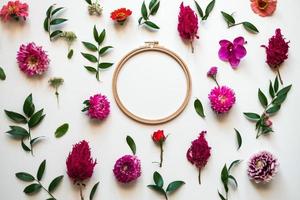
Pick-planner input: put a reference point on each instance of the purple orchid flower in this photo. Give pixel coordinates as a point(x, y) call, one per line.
point(232, 52)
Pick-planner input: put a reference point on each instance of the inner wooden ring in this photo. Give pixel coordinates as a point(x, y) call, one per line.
point(161, 50)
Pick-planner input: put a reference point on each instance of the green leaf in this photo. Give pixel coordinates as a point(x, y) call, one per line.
point(41, 170)
point(23, 176)
point(252, 116)
point(271, 90)
point(105, 65)
point(35, 140)
point(209, 8)
point(46, 24)
point(238, 138)
point(279, 99)
point(154, 10)
point(221, 196)
point(228, 18)
point(89, 57)
point(234, 180)
point(96, 34)
point(174, 186)
point(250, 27)
point(49, 10)
point(152, 3)
point(131, 144)
point(33, 188)
point(233, 163)
point(158, 180)
point(144, 11)
point(224, 177)
point(16, 117)
point(273, 109)
point(57, 21)
point(62, 130)
point(262, 98)
point(104, 49)
point(199, 108)
point(151, 24)
point(2, 74)
point(199, 9)
point(91, 69)
point(25, 147)
point(56, 33)
point(93, 191)
point(157, 189)
point(28, 106)
point(70, 54)
point(284, 90)
point(54, 183)
point(90, 46)
point(56, 10)
point(140, 20)
point(36, 118)
point(18, 131)
point(101, 37)
point(276, 85)
point(89, 2)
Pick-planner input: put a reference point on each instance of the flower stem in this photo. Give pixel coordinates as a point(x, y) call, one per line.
point(31, 147)
point(280, 79)
point(161, 154)
point(98, 62)
point(80, 190)
point(232, 25)
point(45, 189)
point(192, 46)
point(57, 98)
point(216, 81)
point(199, 176)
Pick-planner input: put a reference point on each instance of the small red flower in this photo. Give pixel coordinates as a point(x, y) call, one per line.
point(14, 10)
point(158, 136)
point(120, 15)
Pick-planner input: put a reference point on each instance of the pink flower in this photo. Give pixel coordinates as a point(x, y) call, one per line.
point(80, 164)
point(199, 152)
point(127, 168)
point(14, 10)
point(212, 72)
point(187, 24)
point(221, 99)
point(98, 107)
point(32, 59)
point(263, 7)
point(232, 52)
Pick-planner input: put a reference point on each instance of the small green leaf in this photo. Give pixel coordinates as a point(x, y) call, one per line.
point(25, 147)
point(23, 176)
point(101, 37)
point(16, 117)
point(250, 27)
point(56, 10)
point(28, 106)
point(284, 90)
point(46, 24)
point(54, 183)
point(104, 49)
point(33, 188)
point(57, 21)
point(18, 131)
point(209, 8)
point(62, 130)
point(233, 163)
point(279, 99)
point(154, 10)
point(90, 46)
point(224, 176)
point(105, 65)
point(262, 98)
point(89, 57)
point(174, 186)
point(36, 118)
point(91, 69)
point(273, 109)
point(199, 108)
point(158, 180)
point(199, 9)
point(89, 2)
point(93, 191)
point(234, 180)
point(41, 170)
point(276, 85)
point(157, 189)
point(221, 196)
point(238, 138)
point(49, 10)
point(131, 144)
point(151, 24)
point(144, 11)
point(152, 3)
point(140, 20)
point(2, 74)
point(70, 54)
point(271, 90)
point(95, 33)
point(56, 33)
point(252, 116)
point(34, 140)
point(228, 18)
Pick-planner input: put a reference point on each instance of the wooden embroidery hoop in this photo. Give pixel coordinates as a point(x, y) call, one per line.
point(151, 46)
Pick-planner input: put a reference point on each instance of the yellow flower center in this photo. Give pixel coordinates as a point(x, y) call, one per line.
point(11, 9)
point(32, 61)
point(222, 98)
point(262, 4)
point(259, 164)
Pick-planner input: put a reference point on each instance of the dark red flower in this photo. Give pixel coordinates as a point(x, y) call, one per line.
point(80, 164)
point(120, 15)
point(159, 136)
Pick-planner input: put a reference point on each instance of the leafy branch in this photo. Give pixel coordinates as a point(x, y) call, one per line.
point(147, 12)
point(101, 51)
point(263, 124)
point(31, 119)
point(37, 185)
point(208, 9)
point(231, 23)
point(159, 183)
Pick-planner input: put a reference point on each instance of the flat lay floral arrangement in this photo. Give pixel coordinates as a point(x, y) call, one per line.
point(33, 61)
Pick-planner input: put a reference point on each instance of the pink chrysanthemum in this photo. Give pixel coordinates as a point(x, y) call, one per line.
point(32, 59)
point(262, 167)
point(127, 168)
point(263, 8)
point(80, 164)
point(221, 99)
point(14, 10)
point(98, 107)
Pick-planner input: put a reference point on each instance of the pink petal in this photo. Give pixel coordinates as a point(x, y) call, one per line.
point(240, 51)
point(234, 62)
point(223, 54)
point(224, 43)
point(239, 41)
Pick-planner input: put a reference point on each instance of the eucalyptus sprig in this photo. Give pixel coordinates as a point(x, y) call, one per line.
point(31, 119)
point(94, 8)
point(226, 177)
point(36, 184)
point(147, 12)
point(278, 96)
point(2, 74)
point(101, 51)
point(159, 183)
point(208, 9)
point(56, 82)
point(231, 23)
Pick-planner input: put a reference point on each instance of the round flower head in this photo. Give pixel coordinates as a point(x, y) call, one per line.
point(158, 136)
point(120, 15)
point(14, 10)
point(262, 167)
point(98, 107)
point(80, 164)
point(32, 59)
point(221, 99)
point(212, 72)
point(263, 7)
point(127, 168)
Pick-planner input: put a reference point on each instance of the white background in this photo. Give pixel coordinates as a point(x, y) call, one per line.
point(107, 139)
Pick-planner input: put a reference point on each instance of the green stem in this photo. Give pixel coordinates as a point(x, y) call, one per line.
point(199, 176)
point(279, 75)
point(232, 25)
point(45, 189)
point(216, 81)
point(98, 62)
point(57, 98)
point(31, 147)
point(192, 46)
point(161, 154)
point(80, 190)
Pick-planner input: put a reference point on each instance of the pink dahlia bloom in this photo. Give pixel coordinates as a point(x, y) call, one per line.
point(98, 107)
point(263, 7)
point(221, 99)
point(262, 167)
point(212, 72)
point(232, 52)
point(127, 168)
point(14, 10)
point(32, 59)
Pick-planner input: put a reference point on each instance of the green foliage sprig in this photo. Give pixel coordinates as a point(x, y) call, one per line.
point(231, 22)
point(278, 96)
point(147, 12)
point(55, 83)
point(31, 119)
point(208, 9)
point(36, 186)
point(101, 51)
point(159, 183)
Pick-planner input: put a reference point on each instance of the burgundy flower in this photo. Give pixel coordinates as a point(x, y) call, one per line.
point(232, 52)
point(212, 72)
point(127, 168)
point(199, 153)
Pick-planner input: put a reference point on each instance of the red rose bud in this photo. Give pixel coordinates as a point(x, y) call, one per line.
point(158, 136)
point(268, 123)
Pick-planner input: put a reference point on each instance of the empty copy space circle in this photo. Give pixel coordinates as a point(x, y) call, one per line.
point(152, 85)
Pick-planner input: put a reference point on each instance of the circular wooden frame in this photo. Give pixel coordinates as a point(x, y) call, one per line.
point(151, 46)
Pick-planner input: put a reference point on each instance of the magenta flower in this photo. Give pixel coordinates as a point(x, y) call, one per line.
point(199, 153)
point(212, 72)
point(232, 52)
point(32, 59)
point(221, 99)
point(127, 168)
point(262, 167)
point(14, 10)
point(98, 107)
point(187, 24)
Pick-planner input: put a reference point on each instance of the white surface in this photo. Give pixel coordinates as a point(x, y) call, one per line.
point(107, 139)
